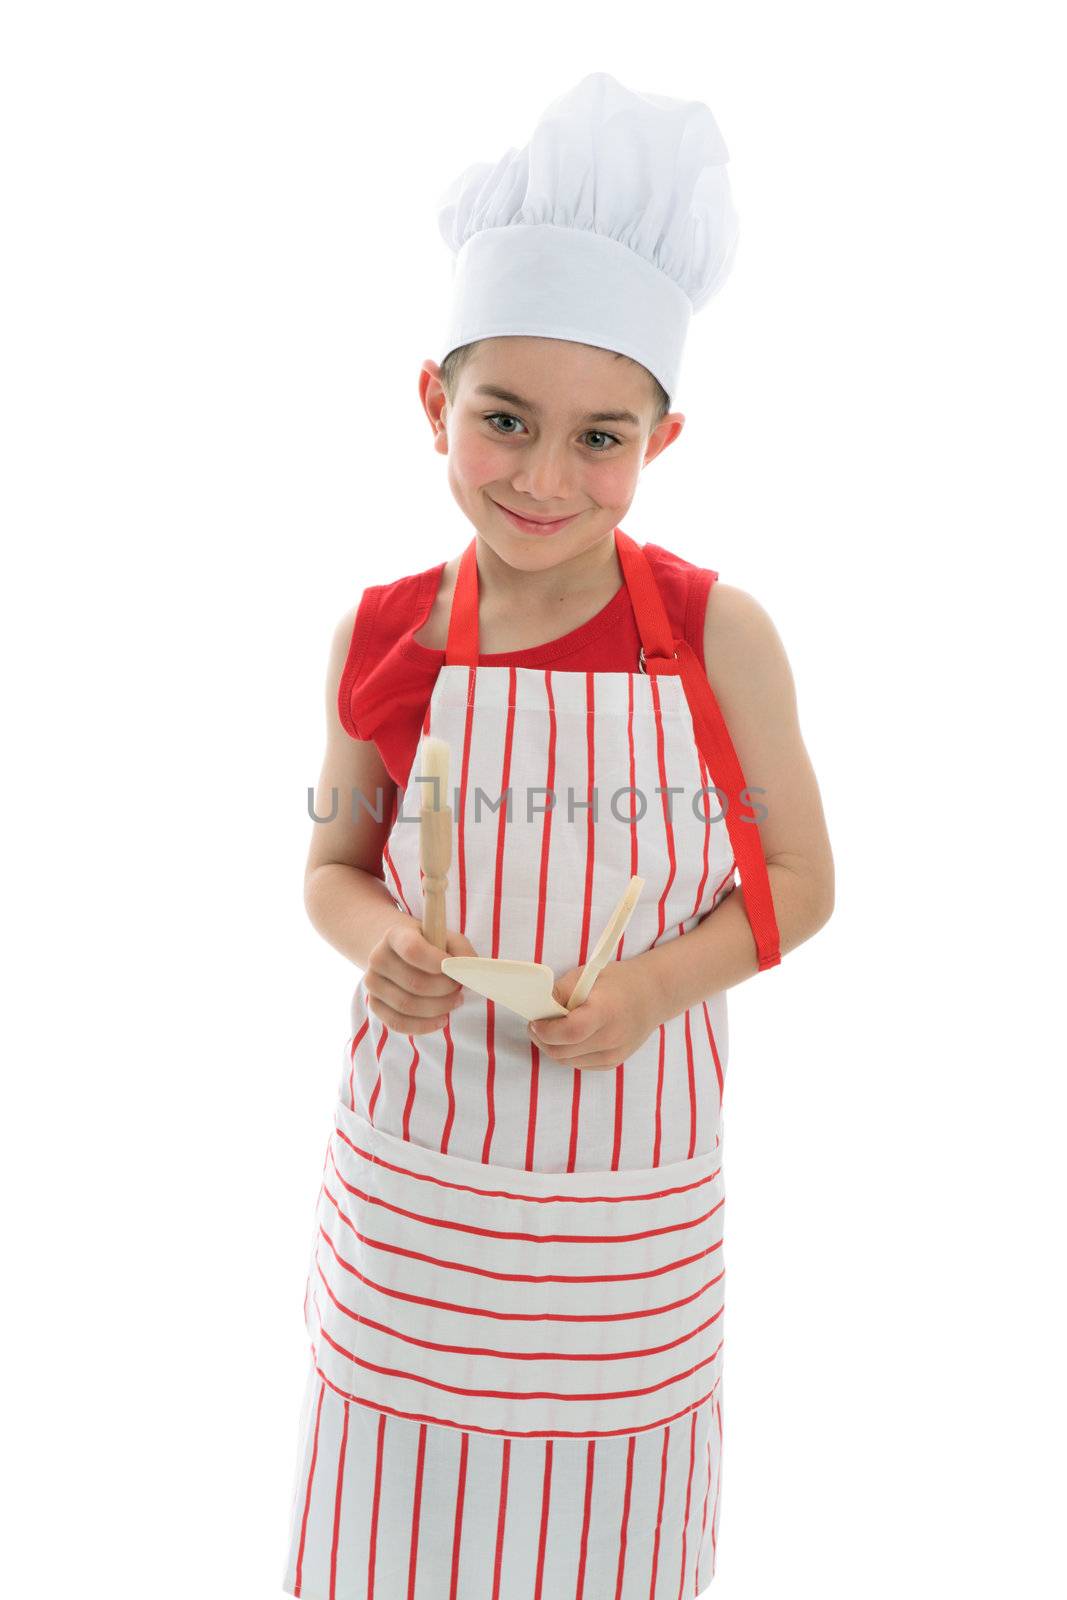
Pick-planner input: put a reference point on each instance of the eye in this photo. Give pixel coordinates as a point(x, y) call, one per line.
point(492, 417)
point(594, 433)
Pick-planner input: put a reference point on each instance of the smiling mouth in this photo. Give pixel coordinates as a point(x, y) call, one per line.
point(541, 521)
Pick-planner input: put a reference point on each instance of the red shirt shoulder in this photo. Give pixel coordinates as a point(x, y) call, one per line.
point(685, 587)
point(387, 614)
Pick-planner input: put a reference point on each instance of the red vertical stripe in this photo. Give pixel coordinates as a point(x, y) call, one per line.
point(338, 1492)
point(625, 1515)
point(376, 1091)
point(673, 866)
point(714, 1050)
point(704, 1518)
point(659, 1512)
point(688, 1498)
point(450, 1093)
point(410, 1101)
point(718, 1482)
point(620, 1079)
point(307, 1495)
point(707, 829)
point(587, 901)
point(666, 800)
point(658, 1122)
point(375, 1507)
point(590, 1467)
point(590, 825)
point(457, 1530)
point(692, 1082)
point(387, 857)
point(498, 896)
point(352, 1060)
point(546, 1496)
point(542, 900)
point(505, 1459)
point(502, 814)
point(416, 1508)
point(462, 818)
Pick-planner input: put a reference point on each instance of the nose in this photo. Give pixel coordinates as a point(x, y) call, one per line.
point(545, 477)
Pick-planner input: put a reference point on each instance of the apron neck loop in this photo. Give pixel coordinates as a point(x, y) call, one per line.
point(653, 623)
point(671, 656)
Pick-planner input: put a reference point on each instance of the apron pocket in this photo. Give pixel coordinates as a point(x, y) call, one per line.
point(507, 1301)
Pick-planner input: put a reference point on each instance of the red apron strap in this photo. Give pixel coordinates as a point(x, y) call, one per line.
point(721, 757)
point(461, 646)
point(653, 623)
point(661, 653)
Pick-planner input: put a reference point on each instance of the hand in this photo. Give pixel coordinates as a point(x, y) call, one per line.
point(404, 982)
point(612, 1022)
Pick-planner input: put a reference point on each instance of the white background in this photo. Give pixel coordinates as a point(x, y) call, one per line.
point(222, 273)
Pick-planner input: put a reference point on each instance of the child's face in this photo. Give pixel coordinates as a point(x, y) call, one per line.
point(551, 452)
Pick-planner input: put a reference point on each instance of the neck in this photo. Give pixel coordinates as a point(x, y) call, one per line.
point(592, 571)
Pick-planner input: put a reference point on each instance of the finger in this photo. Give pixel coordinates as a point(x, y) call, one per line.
point(567, 1033)
point(398, 1022)
point(407, 1003)
point(392, 963)
point(407, 942)
point(598, 1061)
point(573, 1054)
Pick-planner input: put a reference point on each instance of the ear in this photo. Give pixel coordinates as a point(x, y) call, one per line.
point(663, 434)
point(434, 403)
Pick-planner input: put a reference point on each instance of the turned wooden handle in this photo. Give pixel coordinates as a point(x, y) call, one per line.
point(435, 858)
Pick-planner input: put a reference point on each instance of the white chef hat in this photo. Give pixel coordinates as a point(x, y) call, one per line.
point(611, 227)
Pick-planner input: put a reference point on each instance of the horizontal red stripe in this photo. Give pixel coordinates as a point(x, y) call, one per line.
point(516, 1355)
point(513, 1433)
point(536, 1199)
point(518, 1277)
point(510, 1394)
point(516, 1316)
point(528, 1238)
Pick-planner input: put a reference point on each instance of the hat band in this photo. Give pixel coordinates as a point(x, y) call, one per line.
point(568, 283)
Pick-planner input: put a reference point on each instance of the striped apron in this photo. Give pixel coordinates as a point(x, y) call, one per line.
point(515, 1296)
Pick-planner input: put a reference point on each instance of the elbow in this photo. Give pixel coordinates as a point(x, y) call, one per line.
point(314, 881)
point(809, 904)
point(823, 912)
point(822, 900)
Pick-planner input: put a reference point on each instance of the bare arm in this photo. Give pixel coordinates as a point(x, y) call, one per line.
point(753, 683)
point(344, 888)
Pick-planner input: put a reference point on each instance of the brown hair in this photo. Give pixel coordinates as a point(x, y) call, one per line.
point(452, 365)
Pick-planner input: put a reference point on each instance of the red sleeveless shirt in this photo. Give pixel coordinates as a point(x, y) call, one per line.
point(388, 676)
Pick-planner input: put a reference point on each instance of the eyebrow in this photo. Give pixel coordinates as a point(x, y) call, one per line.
point(527, 405)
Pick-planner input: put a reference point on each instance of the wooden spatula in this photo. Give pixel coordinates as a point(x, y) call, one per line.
point(522, 986)
point(526, 987)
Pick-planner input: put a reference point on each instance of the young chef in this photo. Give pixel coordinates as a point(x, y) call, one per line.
point(515, 1294)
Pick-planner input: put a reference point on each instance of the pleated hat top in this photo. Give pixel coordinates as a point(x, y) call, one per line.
point(611, 226)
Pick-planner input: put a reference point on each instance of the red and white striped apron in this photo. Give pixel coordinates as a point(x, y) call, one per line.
point(515, 1296)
